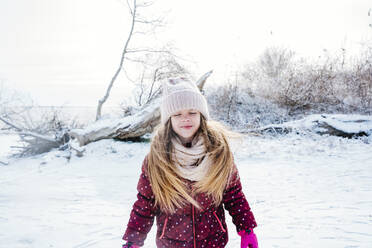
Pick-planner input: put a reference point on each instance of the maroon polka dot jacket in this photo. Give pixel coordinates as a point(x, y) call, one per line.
point(189, 227)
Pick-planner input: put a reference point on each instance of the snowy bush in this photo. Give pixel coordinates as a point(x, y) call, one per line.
point(40, 129)
point(240, 108)
point(333, 84)
point(358, 82)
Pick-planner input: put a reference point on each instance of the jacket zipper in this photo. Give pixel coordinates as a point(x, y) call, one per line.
point(165, 225)
point(193, 225)
point(219, 222)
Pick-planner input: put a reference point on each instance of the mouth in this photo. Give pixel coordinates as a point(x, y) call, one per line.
point(187, 127)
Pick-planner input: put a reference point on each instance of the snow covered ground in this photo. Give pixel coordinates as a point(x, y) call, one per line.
point(305, 191)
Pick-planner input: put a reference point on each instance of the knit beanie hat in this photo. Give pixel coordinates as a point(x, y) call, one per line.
point(178, 94)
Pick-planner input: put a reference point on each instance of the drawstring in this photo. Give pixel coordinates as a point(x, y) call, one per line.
point(223, 229)
point(165, 225)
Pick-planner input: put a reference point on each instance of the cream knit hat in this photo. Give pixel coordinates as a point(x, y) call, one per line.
point(178, 94)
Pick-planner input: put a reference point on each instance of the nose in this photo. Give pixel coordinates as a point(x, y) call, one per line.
point(185, 119)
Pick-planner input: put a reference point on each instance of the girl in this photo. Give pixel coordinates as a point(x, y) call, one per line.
point(188, 178)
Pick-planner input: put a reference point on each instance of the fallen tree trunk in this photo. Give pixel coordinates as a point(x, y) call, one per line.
point(132, 126)
point(129, 127)
point(346, 126)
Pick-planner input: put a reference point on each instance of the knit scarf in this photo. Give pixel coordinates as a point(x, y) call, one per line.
point(192, 163)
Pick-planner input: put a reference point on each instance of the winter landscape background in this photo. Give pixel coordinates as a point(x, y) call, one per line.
point(305, 191)
point(294, 78)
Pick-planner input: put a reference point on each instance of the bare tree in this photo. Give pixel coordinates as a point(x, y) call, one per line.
point(163, 67)
point(139, 25)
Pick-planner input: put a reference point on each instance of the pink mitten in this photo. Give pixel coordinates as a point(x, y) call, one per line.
point(130, 245)
point(249, 239)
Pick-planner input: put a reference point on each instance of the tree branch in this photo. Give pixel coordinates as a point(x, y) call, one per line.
point(130, 8)
point(104, 99)
point(11, 124)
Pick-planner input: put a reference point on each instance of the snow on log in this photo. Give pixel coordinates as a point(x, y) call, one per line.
point(3, 163)
point(132, 126)
point(336, 125)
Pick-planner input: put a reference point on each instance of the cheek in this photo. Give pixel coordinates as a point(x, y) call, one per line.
point(197, 122)
point(174, 125)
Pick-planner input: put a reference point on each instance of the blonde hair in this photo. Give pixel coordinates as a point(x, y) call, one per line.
point(169, 188)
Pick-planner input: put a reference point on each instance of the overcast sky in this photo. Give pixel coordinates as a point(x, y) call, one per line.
point(66, 51)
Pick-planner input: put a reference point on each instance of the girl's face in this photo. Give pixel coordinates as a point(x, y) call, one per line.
point(185, 123)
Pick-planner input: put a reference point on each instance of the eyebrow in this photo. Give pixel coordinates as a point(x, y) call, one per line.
point(191, 110)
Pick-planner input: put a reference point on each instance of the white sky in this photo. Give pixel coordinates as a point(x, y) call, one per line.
point(66, 51)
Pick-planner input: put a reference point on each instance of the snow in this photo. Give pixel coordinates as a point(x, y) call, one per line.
point(305, 191)
point(6, 140)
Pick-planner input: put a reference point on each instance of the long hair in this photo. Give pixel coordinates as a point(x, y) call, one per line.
point(170, 190)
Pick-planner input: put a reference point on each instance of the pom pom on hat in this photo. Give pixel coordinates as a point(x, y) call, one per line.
point(181, 93)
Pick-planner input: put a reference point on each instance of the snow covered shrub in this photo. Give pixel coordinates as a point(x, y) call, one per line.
point(308, 87)
point(41, 129)
point(239, 108)
point(275, 60)
point(358, 83)
point(265, 77)
point(303, 87)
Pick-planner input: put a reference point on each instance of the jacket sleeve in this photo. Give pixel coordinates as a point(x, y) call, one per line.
point(235, 202)
point(143, 211)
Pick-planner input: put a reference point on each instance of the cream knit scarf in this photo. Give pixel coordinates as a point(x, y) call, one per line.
point(192, 163)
